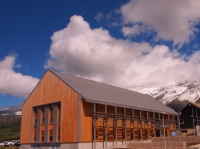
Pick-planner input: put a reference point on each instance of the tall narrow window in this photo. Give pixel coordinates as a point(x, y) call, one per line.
point(42, 135)
point(35, 116)
point(34, 134)
point(43, 115)
point(58, 132)
point(50, 135)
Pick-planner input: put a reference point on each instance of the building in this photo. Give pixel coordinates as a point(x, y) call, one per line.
point(69, 112)
point(190, 119)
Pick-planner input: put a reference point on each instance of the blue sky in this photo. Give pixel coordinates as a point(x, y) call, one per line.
point(125, 43)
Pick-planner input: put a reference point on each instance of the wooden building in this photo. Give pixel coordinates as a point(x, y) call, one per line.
point(69, 112)
point(190, 119)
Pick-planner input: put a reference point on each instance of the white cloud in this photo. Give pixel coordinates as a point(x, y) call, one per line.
point(134, 30)
point(171, 19)
point(93, 53)
point(13, 83)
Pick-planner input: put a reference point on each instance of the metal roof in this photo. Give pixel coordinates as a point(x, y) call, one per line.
point(97, 92)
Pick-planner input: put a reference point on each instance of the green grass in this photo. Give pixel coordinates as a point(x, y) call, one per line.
point(10, 128)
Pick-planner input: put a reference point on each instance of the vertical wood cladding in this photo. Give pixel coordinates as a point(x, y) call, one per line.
point(86, 121)
point(51, 89)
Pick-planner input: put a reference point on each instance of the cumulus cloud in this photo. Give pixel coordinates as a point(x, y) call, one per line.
point(13, 83)
point(80, 50)
point(171, 19)
point(94, 54)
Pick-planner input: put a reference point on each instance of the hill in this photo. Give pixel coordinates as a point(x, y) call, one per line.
point(10, 127)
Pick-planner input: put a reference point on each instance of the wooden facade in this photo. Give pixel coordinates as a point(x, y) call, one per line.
point(79, 121)
point(124, 125)
point(190, 119)
point(49, 90)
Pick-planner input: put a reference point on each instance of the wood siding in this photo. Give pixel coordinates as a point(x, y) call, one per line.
point(86, 121)
point(51, 89)
point(143, 127)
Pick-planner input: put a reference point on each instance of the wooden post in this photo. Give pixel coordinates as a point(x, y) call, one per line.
point(147, 125)
point(94, 126)
point(124, 124)
point(133, 124)
point(154, 119)
point(159, 123)
point(141, 124)
point(178, 121)
point(105, 120)
point(116, 139)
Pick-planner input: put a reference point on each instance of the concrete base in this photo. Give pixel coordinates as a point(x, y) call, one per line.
point(99, 145)
point(25, 146)
point(194, 147)
point(40, 146)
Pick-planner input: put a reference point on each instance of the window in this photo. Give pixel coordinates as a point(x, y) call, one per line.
point(58, 132)
point(161, 116)
point(35, 116)
point(59, 118)
point(38, 124)
point(59, 113)
point(42, 135)
point(50, 135)
point(34, 134)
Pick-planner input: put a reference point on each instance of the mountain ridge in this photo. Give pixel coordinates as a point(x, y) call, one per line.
point(12, 110)
point(183, 91)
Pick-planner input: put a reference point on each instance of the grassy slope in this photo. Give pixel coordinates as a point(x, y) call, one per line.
point(9, 127)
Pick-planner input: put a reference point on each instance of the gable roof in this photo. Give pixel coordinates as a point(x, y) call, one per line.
point(96, 92)
point(197, 105)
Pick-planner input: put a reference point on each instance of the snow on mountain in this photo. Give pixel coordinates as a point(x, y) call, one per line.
point(183, 91)
point(18, 113)
point(13, 110)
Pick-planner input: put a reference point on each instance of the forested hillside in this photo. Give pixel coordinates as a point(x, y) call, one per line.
point(10, 127)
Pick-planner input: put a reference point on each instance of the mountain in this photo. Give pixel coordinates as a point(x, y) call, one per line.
point(13, 110)
point(188, 91)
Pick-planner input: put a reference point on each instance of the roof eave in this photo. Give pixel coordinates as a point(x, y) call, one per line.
point(130, 107)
